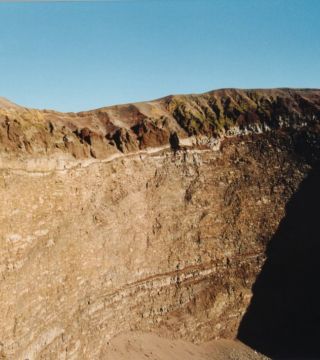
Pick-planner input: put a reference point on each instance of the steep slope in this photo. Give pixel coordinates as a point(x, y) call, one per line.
point(151, 216)
point(6, 104)
point(127, 128)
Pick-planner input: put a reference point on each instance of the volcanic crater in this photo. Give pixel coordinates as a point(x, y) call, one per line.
point(165, 224)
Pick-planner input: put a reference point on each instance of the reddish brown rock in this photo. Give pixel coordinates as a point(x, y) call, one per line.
point(105, 229)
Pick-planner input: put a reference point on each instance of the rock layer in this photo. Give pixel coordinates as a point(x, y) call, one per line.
point(152, 216)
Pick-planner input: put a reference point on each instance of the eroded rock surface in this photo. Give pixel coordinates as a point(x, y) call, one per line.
point(108, 226)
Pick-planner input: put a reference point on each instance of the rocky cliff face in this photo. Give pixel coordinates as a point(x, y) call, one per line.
point(152, 216)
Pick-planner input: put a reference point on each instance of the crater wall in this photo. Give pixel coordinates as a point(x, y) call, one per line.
point(150, 240)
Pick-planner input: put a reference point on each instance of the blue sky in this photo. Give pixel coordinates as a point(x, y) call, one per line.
point(73, 56)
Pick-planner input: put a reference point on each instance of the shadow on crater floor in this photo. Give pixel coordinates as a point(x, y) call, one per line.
point(283, 319)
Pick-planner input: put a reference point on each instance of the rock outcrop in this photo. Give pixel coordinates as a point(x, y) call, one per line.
point(151, 216)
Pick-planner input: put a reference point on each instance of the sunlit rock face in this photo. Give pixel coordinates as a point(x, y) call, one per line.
point(151, 216)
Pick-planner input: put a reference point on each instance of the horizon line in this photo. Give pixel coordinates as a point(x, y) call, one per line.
point(283, 88)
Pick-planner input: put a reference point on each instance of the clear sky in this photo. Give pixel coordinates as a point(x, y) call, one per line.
point(74, 56)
